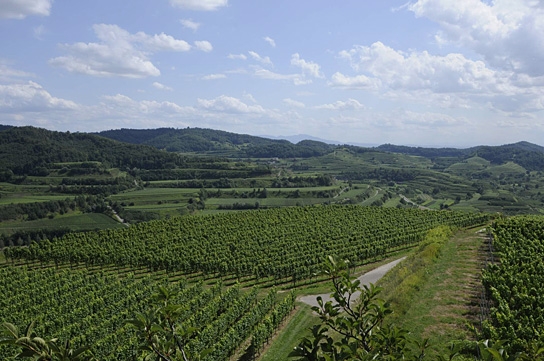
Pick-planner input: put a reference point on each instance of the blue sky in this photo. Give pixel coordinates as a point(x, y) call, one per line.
point(422, 72)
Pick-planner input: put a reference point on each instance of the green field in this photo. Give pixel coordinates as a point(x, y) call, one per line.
point(76, 222)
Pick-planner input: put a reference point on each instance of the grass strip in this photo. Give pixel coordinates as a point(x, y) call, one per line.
point(290, 335)
point(433, 292)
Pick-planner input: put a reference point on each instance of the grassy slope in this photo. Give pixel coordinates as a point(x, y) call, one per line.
point(297, 327)
point(446, 300)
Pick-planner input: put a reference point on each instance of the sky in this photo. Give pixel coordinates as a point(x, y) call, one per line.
point(424, 72)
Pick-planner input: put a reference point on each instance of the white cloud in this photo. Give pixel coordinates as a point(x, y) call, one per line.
point(31, 97)
point(204, 46)
point(308, 67)
point(507, 33)
point(447, 81)
point(157, 42)
point(190, 24)
point(356, 82)
point(270, 41)
point(226, 104)
point(214, 76)
point(118, 53)
point(297, 79)
point(265, 60)
point(237, 56)
point(200, 5)
point(161, 86)
point(39, 31)
point(420, 70)
point(350, 104)
point(20, 9)
point(124, 107)
point(294, 103)
point(249, 97)
point(8, 74)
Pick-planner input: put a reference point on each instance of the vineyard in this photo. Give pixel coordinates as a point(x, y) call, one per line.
point(514, 284)
point(94, 311)
point(278, 245)
point(86, 286)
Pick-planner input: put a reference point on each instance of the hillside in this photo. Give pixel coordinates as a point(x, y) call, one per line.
point(29, 151)
point(529, 156)
point(217, 142)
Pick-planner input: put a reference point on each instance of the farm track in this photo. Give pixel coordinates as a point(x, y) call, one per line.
point(365, 279)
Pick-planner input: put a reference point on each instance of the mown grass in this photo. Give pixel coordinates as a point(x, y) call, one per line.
point(433, 292)
point(296, 327)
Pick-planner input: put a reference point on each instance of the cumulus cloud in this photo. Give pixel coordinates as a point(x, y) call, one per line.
point(308, 67)
point(507, 33)
point(214, 76)
point(421, 70)
point(157, 42)
point(449, 81)
point(161, 86)
point(190, 24)
point(270, 41)
point(199, 5)
point(350, 104)
point(20, 9)
point(204, 46)
point(356, 82)
point(308, 70)
point(226, 104)
point(119, 53)
point(265, 60)
point(294, 103)
point(31, 97)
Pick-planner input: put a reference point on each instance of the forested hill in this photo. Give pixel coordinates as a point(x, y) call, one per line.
point(29, 150)
point(529, 156)
point(425, 152)
point(209, 140)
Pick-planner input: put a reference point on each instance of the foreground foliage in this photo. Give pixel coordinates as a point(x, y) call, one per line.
point(353, 326)
point(93, 310)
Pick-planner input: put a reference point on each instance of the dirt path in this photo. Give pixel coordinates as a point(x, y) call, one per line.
point(341, 191)
point(408, 200)
point(366, 279)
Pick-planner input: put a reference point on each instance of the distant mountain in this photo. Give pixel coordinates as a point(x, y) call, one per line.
point(5, 127)
point(300, 137)
point(209, 140)
point(526, 146)
point(185, 140)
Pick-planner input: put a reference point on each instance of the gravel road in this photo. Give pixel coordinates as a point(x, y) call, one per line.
point(366, 279)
